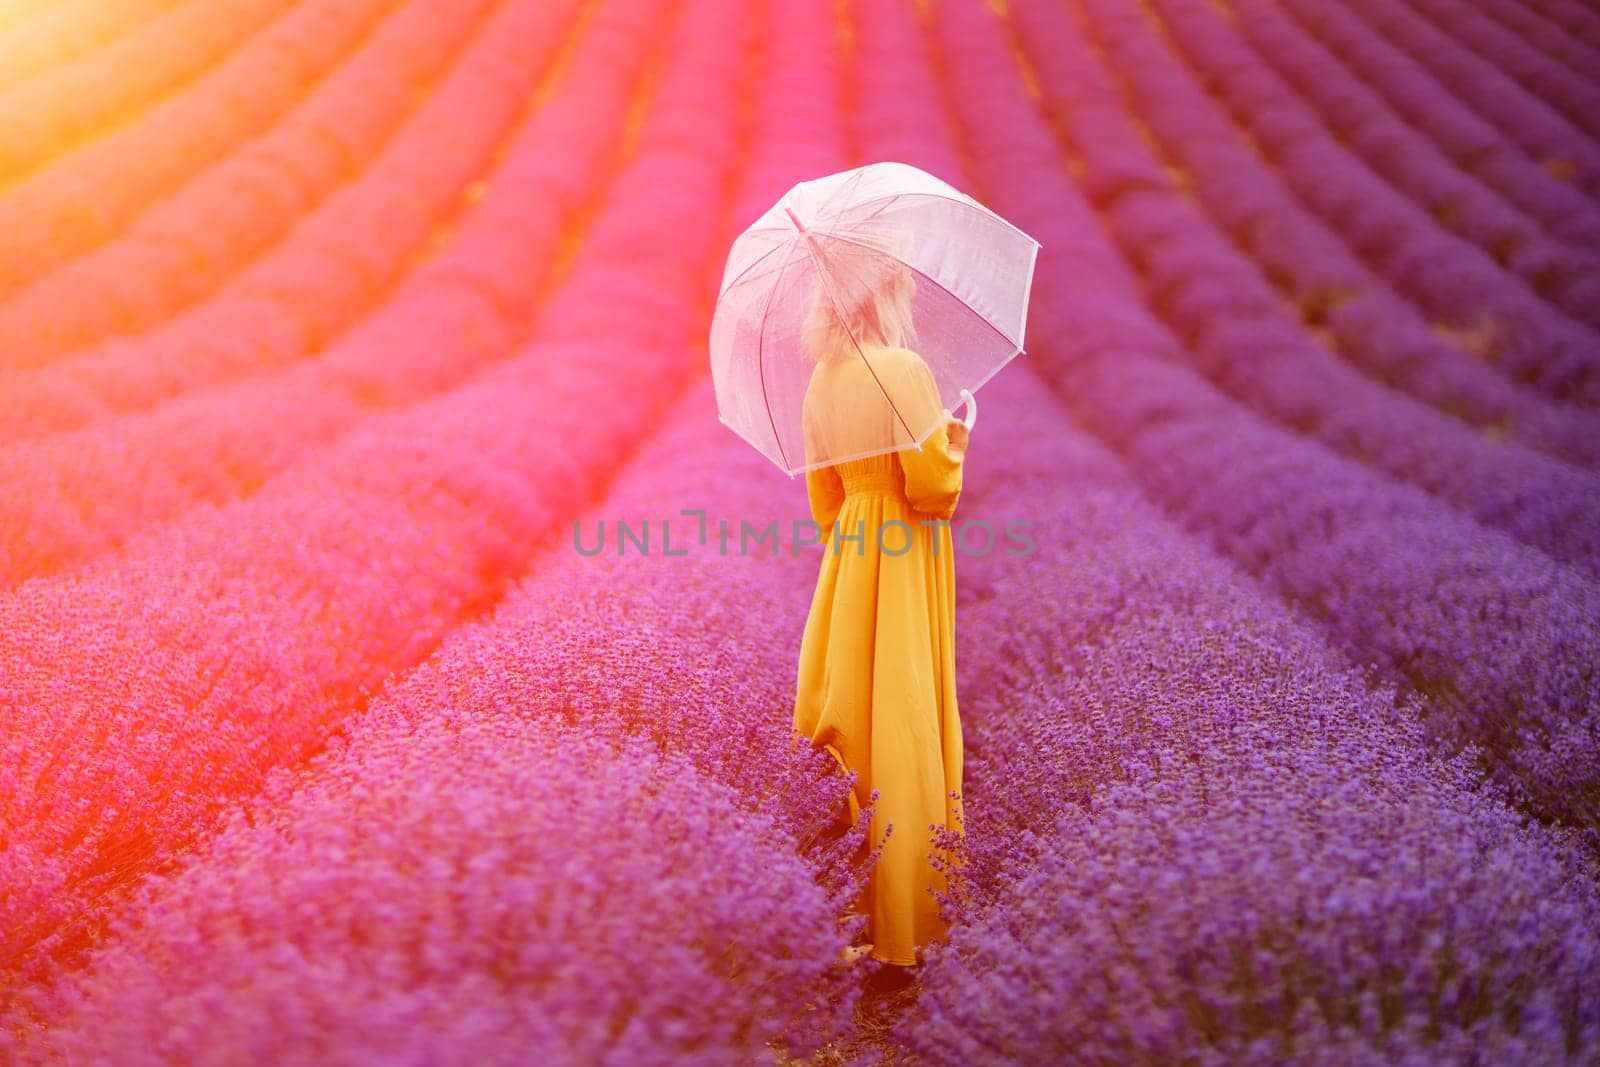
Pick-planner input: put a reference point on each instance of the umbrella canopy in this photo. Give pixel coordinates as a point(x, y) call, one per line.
point(880, 264)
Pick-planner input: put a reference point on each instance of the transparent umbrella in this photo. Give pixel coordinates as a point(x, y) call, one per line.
point(865, 265)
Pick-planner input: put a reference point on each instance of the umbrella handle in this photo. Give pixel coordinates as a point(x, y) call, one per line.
point(972, 408)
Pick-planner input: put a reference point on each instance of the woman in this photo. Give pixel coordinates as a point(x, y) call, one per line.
point(877, 660)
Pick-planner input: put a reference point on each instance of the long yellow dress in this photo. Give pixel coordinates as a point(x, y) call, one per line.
point(877, 681)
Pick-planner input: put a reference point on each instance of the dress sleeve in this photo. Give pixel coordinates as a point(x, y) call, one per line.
point(824, 487)
point(933, 475)
point(825, 490)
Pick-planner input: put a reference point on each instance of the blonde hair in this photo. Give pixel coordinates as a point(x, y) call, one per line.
point(864, 297)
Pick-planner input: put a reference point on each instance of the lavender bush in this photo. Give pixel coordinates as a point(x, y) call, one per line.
point(1392, 577)
point(1533, 124)
point(444, 327)
point(233, 69)
point(271, 617)
point(488, 891)
point(276, 199)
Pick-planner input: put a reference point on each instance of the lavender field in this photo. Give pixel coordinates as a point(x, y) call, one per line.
point(327, 327)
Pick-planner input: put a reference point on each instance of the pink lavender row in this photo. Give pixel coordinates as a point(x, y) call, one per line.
point(1446, 277)
point(1575, 96)
point(493, 889)
point(66, 205)
point(1255, 873)
point(1195, 830)
point(298, 295)
point(1121, 674)
point(1573, 16)
point(1338, 296)
point(64, 32)
point(50, 115)
point(354, 134)
point(1475, 145)
point(606, 637)
point(1360, 117)
point(1031, 752)
point(534, 668)
point(535, 662)
point(235, 640)
point(463, 309)
point(1547, 34)
point(1238, 332)
point(659, 641)
point(1532, 123)
point(1498, 636)
point(1423, 192)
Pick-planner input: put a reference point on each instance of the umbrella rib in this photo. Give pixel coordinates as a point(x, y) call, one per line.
point(882, 203)
point(754, 263)
point(924, 274)
point(954, 196)
point(761, 365)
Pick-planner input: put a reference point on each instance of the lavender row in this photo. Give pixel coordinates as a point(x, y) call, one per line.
point(271, 616)
point(538, 655)
point(1371, 324)
point(679, 599)
point(64, 32)
point(353, 135)
point(1229, 886)
point(492, 890)
point(1448, 278)
point(464, 309)
point(52, 114)
point(1238, 332)
point(1510, 231)
point(661, 607)
point(1573, 17)
point(1498, 636)
point(1445, 202)
point(65, 204)
point(536, 666)
point(1524, 118)
point(1476, 146)
point(299, 294)
point(1166, 741)
point(1547, 34)
point(1577, 97)
point(1177, 673)
point(1337, 298)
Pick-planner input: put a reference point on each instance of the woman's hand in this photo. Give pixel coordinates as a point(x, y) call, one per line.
point(958, 433)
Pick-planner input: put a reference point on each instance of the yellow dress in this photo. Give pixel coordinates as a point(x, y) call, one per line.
point(877, 682)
